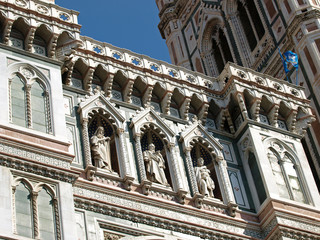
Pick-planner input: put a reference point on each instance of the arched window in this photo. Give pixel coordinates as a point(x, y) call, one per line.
point(36, 210)
point(18, 101)
point(24, 213)
point(29, 103)
point(38, 107)
point(46, 215)
point(286, 175)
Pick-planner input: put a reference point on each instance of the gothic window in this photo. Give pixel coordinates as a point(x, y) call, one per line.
point(29, 104)
point(35, 210)
point(46, 214)
point(200, 151)
point(103, 144)
point(257, 179)
point(23, 207)
point(251, 22)
point(286, 175)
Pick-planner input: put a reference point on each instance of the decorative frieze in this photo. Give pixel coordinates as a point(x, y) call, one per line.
point(137, 211)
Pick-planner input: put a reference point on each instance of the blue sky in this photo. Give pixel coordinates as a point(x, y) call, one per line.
point(127, 24)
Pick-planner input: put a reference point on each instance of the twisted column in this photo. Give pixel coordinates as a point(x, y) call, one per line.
point(141, 167)
point(35, 215)
point(190, 169)
point(86, 142)
point(57, 218)
point(28, 103)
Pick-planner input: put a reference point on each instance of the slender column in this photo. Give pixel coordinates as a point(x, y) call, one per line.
point(123, 153)
point(35, 215)
point(57, 218)
point(175, 166)
point(14, 211)
point(48, 112)
point(86, 142)
point(190, 169)
point(142, 170)
point(222, 165)
point(28, 111)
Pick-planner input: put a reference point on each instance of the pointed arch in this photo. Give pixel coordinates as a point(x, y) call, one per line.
point(286, 168)
point(29, 97)
point(215, 46)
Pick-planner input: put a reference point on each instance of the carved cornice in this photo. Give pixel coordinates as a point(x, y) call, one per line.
point(64, 175)
point(163, 218)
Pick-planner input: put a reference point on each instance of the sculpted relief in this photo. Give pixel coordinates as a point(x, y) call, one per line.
point(205, 183)
point(100, 148)
point(155, 165)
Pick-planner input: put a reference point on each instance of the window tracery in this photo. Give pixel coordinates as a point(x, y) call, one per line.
point(29, 101)
point(286, 173)
point(35, 208)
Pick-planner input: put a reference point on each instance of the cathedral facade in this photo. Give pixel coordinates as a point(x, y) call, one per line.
point(98, 142)
point(205, 35)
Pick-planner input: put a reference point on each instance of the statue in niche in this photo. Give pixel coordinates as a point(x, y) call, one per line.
point(100, 148)
point(155, 165)
point(205, 183)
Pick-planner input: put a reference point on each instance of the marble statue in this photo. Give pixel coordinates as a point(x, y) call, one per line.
point(100, 148)
point(204, 181)
point(155, 165)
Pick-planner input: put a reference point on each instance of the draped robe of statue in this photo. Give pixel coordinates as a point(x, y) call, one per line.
point(205, 183)
point(155, 165)
point(100, 148)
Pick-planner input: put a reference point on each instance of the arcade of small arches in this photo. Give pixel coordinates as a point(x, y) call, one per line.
point(224, 114)
point(39, 39)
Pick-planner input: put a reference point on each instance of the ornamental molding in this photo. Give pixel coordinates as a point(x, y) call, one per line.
point(39, 170)
point(173, 219)
point(197, 130)
point(22, 151)
point(98, 102)
point(149, 117)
